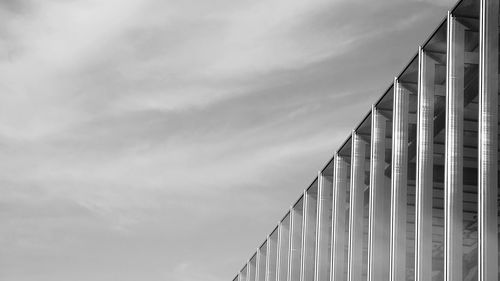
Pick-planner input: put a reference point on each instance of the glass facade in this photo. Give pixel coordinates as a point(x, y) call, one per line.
point(412, 194)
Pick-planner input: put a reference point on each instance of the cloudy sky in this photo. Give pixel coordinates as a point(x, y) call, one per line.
point(162, 140)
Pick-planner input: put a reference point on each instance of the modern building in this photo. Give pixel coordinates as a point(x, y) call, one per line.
point(412, 194)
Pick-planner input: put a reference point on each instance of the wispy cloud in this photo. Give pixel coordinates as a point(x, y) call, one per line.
point(171, 135)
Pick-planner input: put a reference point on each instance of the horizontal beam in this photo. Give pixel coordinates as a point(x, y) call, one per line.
point(440, 57)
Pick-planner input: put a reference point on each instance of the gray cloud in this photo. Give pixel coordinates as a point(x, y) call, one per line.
point(16, 6)
point(162, 140)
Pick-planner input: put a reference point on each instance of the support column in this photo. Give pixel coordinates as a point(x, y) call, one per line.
point(340, 185)
point(261, 262)
point(272, 256)
point(252, 268)
point(323, 229)
point(453, 182)
point(248, 271)
point(283, 248)
point(399, 183)
point(295, 242)
point(424, 179)
point(355, 252)
point(488, 141)
point(379, 213)
point(309, 234)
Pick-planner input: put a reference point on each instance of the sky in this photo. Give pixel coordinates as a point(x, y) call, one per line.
point(162, 140)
